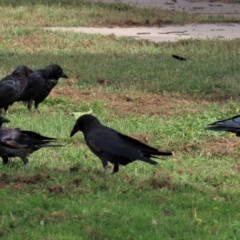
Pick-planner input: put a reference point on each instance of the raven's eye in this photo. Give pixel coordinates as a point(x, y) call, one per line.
point(16, 74)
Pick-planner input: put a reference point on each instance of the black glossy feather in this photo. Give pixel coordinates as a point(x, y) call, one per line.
point(17, 143)
point(12, 86)
point(112, 146)
point(229, 125)
point(40, 83)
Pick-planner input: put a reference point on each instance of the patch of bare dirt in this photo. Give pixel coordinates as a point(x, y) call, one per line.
point(158, 180)
point(19, 182)
point(56, 189)
point(30, 42)
point(93, 233)
point(57, 215)
point(237, 168)
point(4, 180)
point(217, 146)
point(34, 179)
point(156, 183)
point(222, 145)
point(218, 98)
point(136, 103)
point(60, 215)
point(76, 182)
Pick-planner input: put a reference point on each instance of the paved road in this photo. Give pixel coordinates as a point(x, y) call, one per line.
point(167, 33)
point(173, 33)
point(185, 5)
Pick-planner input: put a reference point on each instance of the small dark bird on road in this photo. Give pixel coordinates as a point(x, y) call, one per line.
point(12, 86)
point(112, 146)
point(40, 83)
point(18, 143)
point(228, 125)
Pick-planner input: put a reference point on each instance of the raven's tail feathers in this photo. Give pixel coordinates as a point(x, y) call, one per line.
point(154, 154)
point(36, 147)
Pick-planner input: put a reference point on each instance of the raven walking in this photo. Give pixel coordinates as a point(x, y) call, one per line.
point(112, 146)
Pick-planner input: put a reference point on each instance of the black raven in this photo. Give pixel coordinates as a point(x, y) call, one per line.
point(40, 83)
point(18, 143)
point(12, 86)
point(112, 146)
point(228, 125)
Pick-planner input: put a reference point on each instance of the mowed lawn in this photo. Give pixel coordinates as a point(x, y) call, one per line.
point(137, 88)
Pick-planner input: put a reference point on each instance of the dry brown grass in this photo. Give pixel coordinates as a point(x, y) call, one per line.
point(135, 102)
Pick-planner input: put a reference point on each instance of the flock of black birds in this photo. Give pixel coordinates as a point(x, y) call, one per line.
point(29, 86)
point(109, 145)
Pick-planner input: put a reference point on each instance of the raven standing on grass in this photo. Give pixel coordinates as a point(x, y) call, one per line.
point(12, 86)
point(112, 146)
point(17, 143)
point(40, 83)
point(229, 125)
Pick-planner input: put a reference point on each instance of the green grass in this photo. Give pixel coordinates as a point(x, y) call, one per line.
point(63, 194)
point(84, 13)
point(146, 94)
point(213, 65)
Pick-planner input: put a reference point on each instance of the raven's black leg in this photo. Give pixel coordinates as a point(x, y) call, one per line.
point(36, 106)
point(5, 159)
point(29, 105)
point(6, 109)
point(115, 168)
point(105, 165)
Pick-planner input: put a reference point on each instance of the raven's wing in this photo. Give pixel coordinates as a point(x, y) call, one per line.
point(35, 83)
point(147, 150)
point(7, 90)
point(15, 138)
point(35, 135)
point(9, 138)
point(107, 140)
point(228, 125)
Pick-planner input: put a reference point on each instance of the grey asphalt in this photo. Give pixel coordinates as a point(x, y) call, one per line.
point(167, 33)
point(173, 32)
point(185, 5)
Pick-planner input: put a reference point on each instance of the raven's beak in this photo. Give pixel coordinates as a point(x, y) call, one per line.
point(4, 120)
point(64, 75)
point(74, 130)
